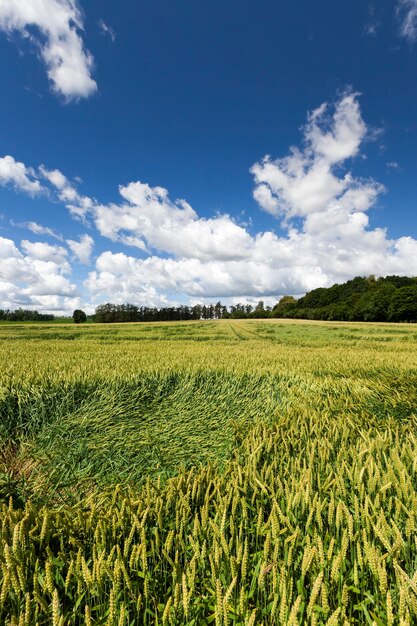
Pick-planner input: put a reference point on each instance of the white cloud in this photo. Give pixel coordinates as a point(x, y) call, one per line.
point(35, 277)
point(28, 180)
point(55, 177)
point(305, 182)
point(322, 205)
point(148, 219)
point(45, 252)
point(38, 229)
point(407, 10)
point(82, 249)
point(275, 266)
point(67, 193)
point(58, 25)
point(17, 174)
point(332, 241)
point(8, 250)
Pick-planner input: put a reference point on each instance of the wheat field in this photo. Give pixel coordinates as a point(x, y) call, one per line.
point(224, 472)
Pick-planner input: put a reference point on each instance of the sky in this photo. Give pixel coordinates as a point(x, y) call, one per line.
point(158, 152)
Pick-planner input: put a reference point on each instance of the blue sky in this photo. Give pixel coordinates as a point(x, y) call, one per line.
point(134, 136)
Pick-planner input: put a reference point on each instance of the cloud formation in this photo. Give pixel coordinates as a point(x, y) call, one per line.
point(176, 255)
point(304, 182)
point(407, 10)
point(82, 249)
point(35, 277)
point(42, 251)
point(320, 203)
point(66, 192)
point(21, 177)
point(38, 229)
point(149, 220)
point(54, 27)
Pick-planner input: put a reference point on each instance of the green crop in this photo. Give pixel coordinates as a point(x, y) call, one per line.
point(225, 473)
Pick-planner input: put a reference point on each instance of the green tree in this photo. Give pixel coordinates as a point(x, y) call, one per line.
point(79, 316)
point(284, 306)
point(403, 306)
point(373, 306)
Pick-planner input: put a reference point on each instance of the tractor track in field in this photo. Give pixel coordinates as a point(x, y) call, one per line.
point(248, 334)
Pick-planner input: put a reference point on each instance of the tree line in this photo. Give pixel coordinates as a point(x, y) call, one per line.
point(23, 315)
point(362, 299)
point(108, 313)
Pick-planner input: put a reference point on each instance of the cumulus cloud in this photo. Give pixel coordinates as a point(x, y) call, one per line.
point(126, 278)
point(45, 252)
point(305, 182)
point(178, 256)
point(82, 249)
point(67, 193)
point(35, 277)
point(54, 27)
point(55, 177)
point(17, 174)
point(42, 180)
point(274, 267)
point(330, 242)
point(407, 10)
point(148, 219)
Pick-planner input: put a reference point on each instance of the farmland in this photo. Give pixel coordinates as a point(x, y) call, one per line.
point(219, 472)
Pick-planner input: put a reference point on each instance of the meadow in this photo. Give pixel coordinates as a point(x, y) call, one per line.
point(219, 472)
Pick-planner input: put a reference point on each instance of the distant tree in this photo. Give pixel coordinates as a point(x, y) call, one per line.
point(218, 310)
point(403, 306)
point(260, 311)
point(238, 311)
point(23, 315)
point(196, 311)
point(105, 313)
point(79, 316)
point(389, 298)
point(284, 306)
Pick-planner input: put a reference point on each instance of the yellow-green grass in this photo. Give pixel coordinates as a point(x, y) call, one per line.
point(266, 471)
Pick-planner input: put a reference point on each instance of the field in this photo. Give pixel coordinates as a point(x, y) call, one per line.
point(219, 472)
